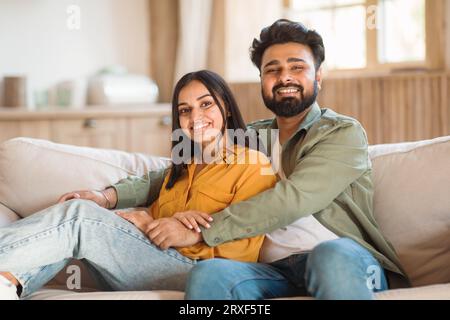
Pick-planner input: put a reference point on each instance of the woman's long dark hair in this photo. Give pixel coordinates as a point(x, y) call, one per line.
point(218, 88)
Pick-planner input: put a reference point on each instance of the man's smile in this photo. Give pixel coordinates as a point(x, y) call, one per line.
point(286, 92)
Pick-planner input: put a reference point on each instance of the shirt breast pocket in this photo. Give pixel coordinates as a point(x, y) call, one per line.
point(210, 199)
point(168, 203)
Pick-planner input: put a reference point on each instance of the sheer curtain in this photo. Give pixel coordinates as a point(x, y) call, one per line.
point(193, 36)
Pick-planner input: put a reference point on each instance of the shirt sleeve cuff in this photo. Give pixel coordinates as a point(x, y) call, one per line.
point(126, 195)
point(216, 234)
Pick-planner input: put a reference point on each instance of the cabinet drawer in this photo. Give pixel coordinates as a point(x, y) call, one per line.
point(91, 132)
point(150, 135)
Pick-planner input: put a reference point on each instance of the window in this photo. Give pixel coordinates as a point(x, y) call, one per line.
point(341, 23)
point(375, 34)
point(401, 32)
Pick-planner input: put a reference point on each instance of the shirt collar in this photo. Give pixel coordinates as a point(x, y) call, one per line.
point(229, 153)
point(226, 155)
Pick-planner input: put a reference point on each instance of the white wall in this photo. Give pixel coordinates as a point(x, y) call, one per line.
point(244, 21)
point(35, 40)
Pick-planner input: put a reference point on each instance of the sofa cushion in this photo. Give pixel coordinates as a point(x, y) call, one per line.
point(7, 216)
point(434, 292)
point(412, 205)
point(57, 294)
point(35, 173)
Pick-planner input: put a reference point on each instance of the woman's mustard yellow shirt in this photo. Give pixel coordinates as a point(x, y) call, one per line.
point(216, 187)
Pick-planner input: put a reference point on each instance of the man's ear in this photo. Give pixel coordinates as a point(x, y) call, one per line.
point(319, 77)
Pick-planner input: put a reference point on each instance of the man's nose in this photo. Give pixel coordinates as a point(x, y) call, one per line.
point(285, 77)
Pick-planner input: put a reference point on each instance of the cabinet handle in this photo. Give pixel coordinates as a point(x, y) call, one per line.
point(90, 124)
point(165, 121)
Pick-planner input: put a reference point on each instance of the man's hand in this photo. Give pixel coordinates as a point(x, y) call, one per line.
point(106, 198)
point(140, 218)
point(170, 232)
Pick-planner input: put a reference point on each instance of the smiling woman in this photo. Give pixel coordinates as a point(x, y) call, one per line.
point(129, 255)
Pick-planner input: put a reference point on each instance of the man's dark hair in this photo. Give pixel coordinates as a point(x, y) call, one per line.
point(283, 31)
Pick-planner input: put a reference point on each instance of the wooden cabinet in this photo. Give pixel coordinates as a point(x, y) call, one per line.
point(144, 129)
point(150, 133)
point(93, 132)
point(37, 129)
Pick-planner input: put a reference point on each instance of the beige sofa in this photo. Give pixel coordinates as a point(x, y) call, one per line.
point(412, 204)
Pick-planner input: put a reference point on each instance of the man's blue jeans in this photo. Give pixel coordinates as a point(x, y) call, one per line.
point(338, 269)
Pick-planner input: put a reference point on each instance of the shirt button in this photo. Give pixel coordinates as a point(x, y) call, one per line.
point(217, 240)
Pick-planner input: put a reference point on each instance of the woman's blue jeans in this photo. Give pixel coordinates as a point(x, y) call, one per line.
point(36, 248)
point(337, 269)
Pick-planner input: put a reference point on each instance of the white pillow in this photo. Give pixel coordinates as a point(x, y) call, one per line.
point(412, 205)
point(35, 173)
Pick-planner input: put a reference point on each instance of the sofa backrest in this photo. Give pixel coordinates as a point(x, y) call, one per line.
point(411, 200)
point(412, 205)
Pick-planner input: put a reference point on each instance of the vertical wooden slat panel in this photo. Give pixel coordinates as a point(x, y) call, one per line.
point(444, 108)
point(427, 103)
point(367, 116)
point(388, 119)
point(410, 85)
point(357, 101)
point(378, 105)
point(417, 116)
point(385, 111)
point(398, 97)
point(435, 110)
point(392, 108)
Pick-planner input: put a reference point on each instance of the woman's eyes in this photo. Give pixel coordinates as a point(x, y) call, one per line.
point(206, 104)
point(203, 105)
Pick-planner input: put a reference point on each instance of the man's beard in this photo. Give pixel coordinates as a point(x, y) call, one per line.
point(289, 107)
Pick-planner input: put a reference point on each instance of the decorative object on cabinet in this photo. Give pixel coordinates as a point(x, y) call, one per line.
point(115, 86)
point(15, 91)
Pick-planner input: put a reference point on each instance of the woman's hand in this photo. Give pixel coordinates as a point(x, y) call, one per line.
point(140, 218)
point(191, 219)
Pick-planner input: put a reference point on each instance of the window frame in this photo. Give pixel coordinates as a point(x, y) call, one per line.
point(434, 44)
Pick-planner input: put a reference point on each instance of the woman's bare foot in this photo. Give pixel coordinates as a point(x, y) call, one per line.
point(8, 287)
point(10, 277)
